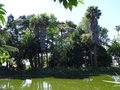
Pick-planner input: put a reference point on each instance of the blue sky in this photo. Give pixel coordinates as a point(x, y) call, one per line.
point(109, 19)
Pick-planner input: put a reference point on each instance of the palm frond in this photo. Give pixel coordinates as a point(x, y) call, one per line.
point(10, 48)
point(2, 12)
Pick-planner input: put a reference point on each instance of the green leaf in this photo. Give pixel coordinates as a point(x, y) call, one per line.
point(61, 1)
point(1, 60)
point(65, 4)
point(4, 54)
point(7, 56)
point(70, 7)
point(2, 19)
point(73, 2)
point(70, 3)
point(1, 5)
point(2, 12)
point(81, 2)
point(2, 9)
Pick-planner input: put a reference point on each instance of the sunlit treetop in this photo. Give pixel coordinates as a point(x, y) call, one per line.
point(117, 28)
point(70, 3)
point(93, 12)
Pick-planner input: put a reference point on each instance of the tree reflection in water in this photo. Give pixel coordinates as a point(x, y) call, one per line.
point(46, 86)
point(36, 85)
point(6, 85)
point(27, 84)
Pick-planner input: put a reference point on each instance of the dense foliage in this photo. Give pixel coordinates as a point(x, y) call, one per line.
point(44, 42)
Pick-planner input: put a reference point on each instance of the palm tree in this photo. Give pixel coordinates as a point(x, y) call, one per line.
point(28, 47)
point(39, 24)
point(2, 12)
point(93, 14)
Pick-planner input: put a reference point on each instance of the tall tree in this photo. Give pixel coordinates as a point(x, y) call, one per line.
point(52, 34)
point(93, 14)
point(39, 24)
point(11, 27)
point(29, 47)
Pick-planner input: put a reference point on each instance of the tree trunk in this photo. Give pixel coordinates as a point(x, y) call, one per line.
point(95, 55)
point(42, 43)
point(7, 64)
point(47, 61)
point(46, 55)
point(91, 59)
point(94, 38)
point(31, 63)
point(42, 62)
point(38, 59)
point(35, 59)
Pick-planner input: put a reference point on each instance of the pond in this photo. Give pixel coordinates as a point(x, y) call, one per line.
point(90, 83)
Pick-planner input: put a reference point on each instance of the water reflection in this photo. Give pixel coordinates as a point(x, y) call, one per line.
point(27, 83)
point(5, 86)
point(57, 84)
point(87, 79)
point(46, 86)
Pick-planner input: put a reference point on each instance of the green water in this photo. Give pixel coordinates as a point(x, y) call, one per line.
point(91, 83)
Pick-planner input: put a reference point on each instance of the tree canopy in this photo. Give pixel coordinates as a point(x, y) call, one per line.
point(45, 42)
